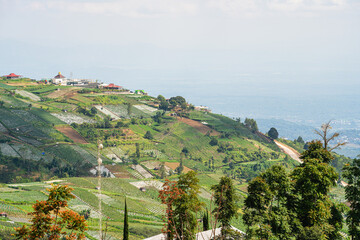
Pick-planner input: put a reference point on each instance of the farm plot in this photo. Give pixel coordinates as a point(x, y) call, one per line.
point(45, 116)
point(121, 110)
point(2, 128)
point(62, 92)
point(7, 150)
point(24, 196)
point(30, 153)
point(71, 133)
point(28, 94)
point(16, 122)
point(106, 111)
point(174, 165)
point(118, 171)
point(69, 154)
point(199, 126)
point(45, 89)
point(142, 171)
point(12, 102)
point(148, 184)
point(114, 158)
point(10, 209)
point(7, 87)
point(70, 118)
point(155, 165)
point(146, 109)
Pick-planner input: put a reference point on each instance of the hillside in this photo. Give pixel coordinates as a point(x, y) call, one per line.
point(50, 131)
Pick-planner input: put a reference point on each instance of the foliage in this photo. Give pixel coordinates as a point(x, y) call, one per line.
point(225, 200)
point(148, 135)
point(273, 133)
point(126, 224)
point(283, 205)
point(352, 191)
point(251, 124)
point(168, 194)
point(46, 226)
point(187, 206)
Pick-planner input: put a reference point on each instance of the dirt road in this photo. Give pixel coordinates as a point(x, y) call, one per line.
point(289, 151)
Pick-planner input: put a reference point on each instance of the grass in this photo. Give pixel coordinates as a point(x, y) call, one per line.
point(7, 87)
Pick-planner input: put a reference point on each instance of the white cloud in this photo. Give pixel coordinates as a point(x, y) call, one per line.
point(159, 8)
point(128, 8)
point(306, 5)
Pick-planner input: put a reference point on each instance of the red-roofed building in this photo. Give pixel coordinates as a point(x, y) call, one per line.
point(59, 79)
point(112, 86)
point(12, 76)
point(3, 214)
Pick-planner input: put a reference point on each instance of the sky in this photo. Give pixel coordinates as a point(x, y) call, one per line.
point(194, 48)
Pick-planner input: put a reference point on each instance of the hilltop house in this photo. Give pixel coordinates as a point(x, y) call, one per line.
point(203, 108)
point(112, 86)
point(12, 76)
point(59, 79)
point(3, 214)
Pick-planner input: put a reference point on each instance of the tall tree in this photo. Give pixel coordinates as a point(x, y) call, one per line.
point(205, 220)
point(126, 224)
point(168, 194)
point(268, 209)
point(187, 206)
point(352, 193)
point(225, 200)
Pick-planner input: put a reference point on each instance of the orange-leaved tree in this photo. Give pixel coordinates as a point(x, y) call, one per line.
point(169, 193)
point(51, 220)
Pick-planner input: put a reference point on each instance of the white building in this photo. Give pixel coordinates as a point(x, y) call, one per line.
point(59, 79)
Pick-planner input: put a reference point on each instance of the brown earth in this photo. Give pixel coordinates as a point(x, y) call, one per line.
point(71, 133)
point(199, 126)
point(174, 165)
point(21, 83)
point(118, 171)
point(67, 92)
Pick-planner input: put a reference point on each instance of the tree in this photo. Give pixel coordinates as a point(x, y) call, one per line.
point(352, 193)
point(205, 220)
point(251, 124)
point(273, 133)
point(300, 140)
point(187, 205)
point(161, 98)
point(225, 200)
point(324, 133)
point(2, 103)
point(129, 109)
point(126, 224)
point(148, 135)
point(168, 194)
point(49, 221)
point(214, 141)
point(268, 208)
point(93, 111)
point(137, 153)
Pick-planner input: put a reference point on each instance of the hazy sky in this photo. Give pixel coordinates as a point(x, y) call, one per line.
point(256, 46)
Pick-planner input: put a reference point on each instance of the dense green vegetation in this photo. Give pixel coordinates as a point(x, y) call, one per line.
point(143, 138)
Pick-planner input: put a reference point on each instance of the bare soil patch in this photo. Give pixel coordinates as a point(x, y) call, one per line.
point(199, 126)
point(71, 133)
point(174, 165)
point(21, 83)
point(67, 92)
